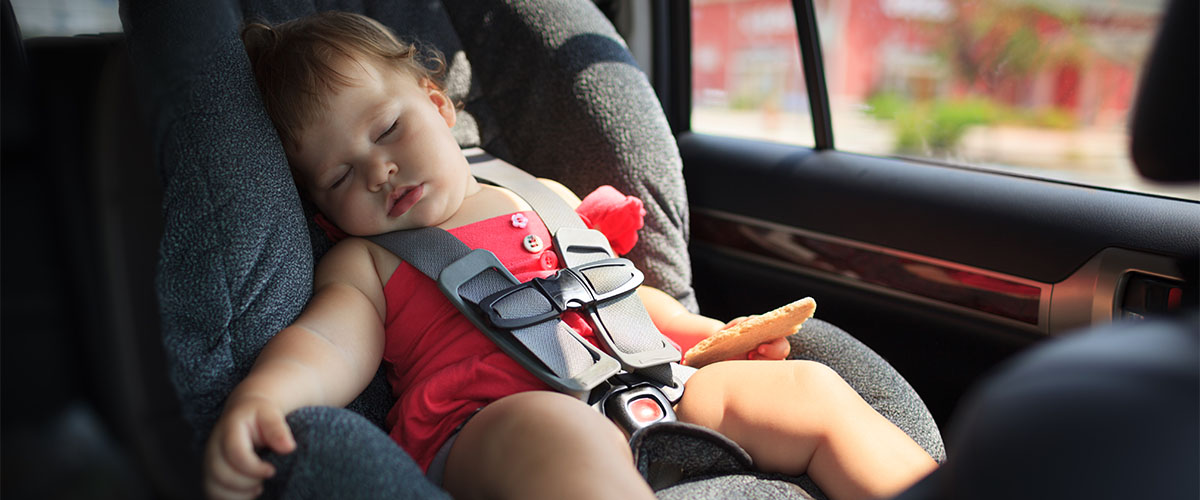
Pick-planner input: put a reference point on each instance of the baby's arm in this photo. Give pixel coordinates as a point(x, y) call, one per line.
point(326, 357)
point(674, 320)
point(687, 329)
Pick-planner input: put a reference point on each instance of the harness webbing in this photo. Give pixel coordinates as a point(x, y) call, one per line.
point(626, 326)
point(555, 212)
point(549, 345)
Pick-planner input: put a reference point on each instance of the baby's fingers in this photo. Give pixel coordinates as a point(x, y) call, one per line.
point(775, 349)
point(275, 432)
point(224, 482)
point(735, 321)
point(238, 452)
point(214, 488)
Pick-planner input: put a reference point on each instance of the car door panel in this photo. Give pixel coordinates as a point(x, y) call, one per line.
point(991, 220)
point(945, 271)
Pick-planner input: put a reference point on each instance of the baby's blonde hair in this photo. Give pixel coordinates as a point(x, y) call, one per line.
point(294, 62)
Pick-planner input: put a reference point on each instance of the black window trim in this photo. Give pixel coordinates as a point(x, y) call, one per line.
point(672, 72)
point(672, 67)
point(814, 73)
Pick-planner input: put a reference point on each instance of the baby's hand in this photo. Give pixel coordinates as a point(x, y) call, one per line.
point(231, 467)
point(774, 349)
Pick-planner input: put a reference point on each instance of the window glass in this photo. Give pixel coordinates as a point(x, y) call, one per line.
point(1036, 87)
point(66, 17)
point(746, 75)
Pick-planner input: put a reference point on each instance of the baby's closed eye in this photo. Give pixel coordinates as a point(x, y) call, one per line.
point(342, 178)
point(388, 131)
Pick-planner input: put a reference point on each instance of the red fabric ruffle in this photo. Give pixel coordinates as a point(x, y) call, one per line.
point(616, 215)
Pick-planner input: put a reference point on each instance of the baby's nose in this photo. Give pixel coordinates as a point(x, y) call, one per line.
point(382, 172)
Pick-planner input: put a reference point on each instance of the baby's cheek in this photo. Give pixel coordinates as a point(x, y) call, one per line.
point(348, 216)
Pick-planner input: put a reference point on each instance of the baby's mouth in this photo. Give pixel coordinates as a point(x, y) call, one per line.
point(402, 198)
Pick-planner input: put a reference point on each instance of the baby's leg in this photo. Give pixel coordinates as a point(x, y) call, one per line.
point(800, 416)
point(542, 445)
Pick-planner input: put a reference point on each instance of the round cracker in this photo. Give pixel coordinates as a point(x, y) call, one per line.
point(740, 338)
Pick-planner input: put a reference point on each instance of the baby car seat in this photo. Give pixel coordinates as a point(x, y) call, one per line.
point(547, 85)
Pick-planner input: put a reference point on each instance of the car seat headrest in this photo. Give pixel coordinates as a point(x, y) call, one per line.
point(1165, 124)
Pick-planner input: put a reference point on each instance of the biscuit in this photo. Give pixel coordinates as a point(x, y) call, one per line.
point(738, 339)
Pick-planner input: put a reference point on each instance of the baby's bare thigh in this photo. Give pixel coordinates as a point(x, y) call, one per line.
point(525, 437)
point(760, 393)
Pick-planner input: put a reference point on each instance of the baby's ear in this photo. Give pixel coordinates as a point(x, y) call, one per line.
point(439, 98)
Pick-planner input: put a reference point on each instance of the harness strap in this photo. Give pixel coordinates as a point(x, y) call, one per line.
point(555, 212)
point(553, 351)
point(622, 325)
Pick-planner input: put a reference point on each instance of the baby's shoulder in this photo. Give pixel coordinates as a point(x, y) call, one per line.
point(359, 261)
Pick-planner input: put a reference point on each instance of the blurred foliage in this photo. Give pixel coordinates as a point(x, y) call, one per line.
point(746, 101)
point(991, 49)
point(938, 126)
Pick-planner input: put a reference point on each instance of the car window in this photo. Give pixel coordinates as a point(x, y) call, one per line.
point(746, 74)
point(66, 17)
point(1033, 87)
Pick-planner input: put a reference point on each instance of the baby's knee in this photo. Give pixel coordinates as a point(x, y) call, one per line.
point(709, 392)
point(743, 390)
point(812, 374)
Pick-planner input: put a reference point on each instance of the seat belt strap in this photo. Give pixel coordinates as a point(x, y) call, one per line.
point(553, 210)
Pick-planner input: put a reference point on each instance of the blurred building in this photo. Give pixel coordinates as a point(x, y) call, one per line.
point(1079, 56)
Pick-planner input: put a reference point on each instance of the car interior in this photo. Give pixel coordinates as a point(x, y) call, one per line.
point(939, 273)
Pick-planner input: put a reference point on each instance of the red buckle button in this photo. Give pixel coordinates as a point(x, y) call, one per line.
point(645, 410)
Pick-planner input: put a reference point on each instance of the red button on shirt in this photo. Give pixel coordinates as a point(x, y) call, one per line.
point(549, 260)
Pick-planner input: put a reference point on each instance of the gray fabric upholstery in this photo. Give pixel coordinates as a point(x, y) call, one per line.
point(872, 377)
point(235, 264)
point(361, 462)
point(738, 487)
point(546, 85)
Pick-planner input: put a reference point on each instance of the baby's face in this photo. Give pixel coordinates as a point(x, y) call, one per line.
point(382, 157)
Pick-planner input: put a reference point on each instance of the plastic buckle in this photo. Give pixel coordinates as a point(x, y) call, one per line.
point(565, 290)
point(577, 246)
point(459, 272)
point(452, 279)
point(637, 407)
